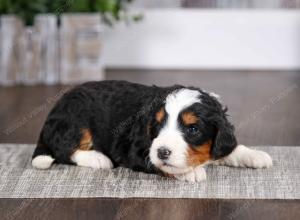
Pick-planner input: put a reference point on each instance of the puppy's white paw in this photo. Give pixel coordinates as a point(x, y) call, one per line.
point(246, 157)
point(257, 159)
point(42, 162)
point(92, 158)
point(198, 174)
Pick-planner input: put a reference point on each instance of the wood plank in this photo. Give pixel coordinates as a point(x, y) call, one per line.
point(176, 209)
point(30, 50)
point(47, 30)
point(81, 48)
point(10, 42)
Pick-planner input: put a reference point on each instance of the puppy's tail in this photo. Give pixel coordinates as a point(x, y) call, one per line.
point(42, 157)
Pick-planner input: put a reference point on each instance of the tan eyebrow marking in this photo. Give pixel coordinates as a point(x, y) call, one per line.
point(189, 118)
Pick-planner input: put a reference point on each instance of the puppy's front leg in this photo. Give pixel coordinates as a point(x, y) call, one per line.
point(246, 157)
point(197, 174)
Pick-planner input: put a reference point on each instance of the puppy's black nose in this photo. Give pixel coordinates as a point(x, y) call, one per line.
point(163, 153)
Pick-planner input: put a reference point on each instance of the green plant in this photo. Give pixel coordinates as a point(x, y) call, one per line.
point(24, 9)
point(111, 10)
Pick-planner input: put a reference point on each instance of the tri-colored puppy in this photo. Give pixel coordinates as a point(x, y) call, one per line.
point(172, 131)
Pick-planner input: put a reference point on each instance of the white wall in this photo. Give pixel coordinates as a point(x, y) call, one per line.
point(209, 39)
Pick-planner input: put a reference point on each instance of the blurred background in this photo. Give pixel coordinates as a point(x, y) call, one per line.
point(247, 51)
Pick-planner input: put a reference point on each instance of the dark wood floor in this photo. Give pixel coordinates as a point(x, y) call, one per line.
point(264, 106)
point(148, 209)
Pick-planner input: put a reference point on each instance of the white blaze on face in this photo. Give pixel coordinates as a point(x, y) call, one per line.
point(170, 136)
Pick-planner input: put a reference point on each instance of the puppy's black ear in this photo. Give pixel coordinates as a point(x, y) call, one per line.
point(225, 140)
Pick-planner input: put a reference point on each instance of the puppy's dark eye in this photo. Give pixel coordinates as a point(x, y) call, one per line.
point(192, 129)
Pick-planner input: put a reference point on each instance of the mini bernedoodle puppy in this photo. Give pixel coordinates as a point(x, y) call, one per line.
point(172, 131)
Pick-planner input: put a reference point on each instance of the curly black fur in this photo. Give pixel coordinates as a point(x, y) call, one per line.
point(121, 118)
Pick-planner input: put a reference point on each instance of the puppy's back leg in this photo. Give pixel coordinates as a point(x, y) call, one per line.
point(243, 156)
point(85, 155)
point(68, 146)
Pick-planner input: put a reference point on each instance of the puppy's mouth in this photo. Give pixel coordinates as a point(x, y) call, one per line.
point(165, 164)
point(171, 169)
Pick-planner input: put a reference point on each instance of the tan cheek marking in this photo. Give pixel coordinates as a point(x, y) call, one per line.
point(189, 118)
point(168, 175)
point(199, 154)
point(86, 141)
point(159, 116)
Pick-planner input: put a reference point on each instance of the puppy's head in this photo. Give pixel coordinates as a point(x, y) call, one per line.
point(189, 130)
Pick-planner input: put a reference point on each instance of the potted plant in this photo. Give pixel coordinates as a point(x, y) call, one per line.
point(42, 51)
point(110, 10)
